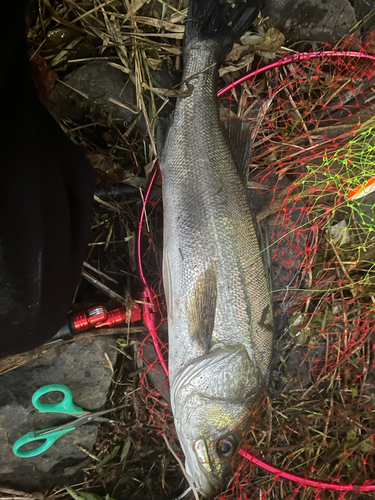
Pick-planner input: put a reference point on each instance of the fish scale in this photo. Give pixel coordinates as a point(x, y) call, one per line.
point(220, 320)
point(208, 222)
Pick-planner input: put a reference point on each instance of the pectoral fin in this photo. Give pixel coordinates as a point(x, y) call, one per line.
point(239, 138)
point(201, 308)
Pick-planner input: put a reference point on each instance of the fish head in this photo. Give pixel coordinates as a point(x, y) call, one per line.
point(210, 444)
point(211, 400)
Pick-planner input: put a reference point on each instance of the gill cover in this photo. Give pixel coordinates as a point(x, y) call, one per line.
point(215, 390)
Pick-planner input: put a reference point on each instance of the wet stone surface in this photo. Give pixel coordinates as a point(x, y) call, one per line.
point(315, 20)
point(98, 84)
point(83, 367)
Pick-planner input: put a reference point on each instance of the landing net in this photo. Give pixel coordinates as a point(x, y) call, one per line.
point(310, 184)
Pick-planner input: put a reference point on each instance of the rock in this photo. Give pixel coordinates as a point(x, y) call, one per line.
point(316, 20)
point(102, 84)
point(365, 12)
point(83, 367)
point(98, 83)
point(155, 373)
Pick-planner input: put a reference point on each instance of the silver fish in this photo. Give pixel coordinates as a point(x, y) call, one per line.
point(219, 307)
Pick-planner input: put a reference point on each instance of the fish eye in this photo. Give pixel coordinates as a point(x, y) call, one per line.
point(227, 446)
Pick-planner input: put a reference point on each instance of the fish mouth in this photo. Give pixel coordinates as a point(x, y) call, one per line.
point(200, 481)
point(200, 470)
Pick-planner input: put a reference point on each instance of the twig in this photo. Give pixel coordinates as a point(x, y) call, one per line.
point(100, 273)
point(91, 455)
point(103, 288)
point(182, 468)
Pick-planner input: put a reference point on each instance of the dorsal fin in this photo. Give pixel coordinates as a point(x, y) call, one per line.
point(239, 137)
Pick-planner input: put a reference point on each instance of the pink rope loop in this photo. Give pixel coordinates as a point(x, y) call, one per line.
point(306, 482)
point(295, 58)
point(146, 286)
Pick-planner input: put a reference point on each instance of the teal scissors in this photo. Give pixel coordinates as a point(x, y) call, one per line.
point(67, 406)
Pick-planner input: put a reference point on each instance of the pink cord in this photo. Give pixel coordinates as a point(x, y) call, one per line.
point(295, 58)
point(302, 480)
point(270, 468)
point(147, 294)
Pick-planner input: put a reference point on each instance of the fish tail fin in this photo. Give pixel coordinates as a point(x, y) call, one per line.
point(220, 21)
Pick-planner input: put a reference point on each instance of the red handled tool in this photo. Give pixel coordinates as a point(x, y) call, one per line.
point(98, 316)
